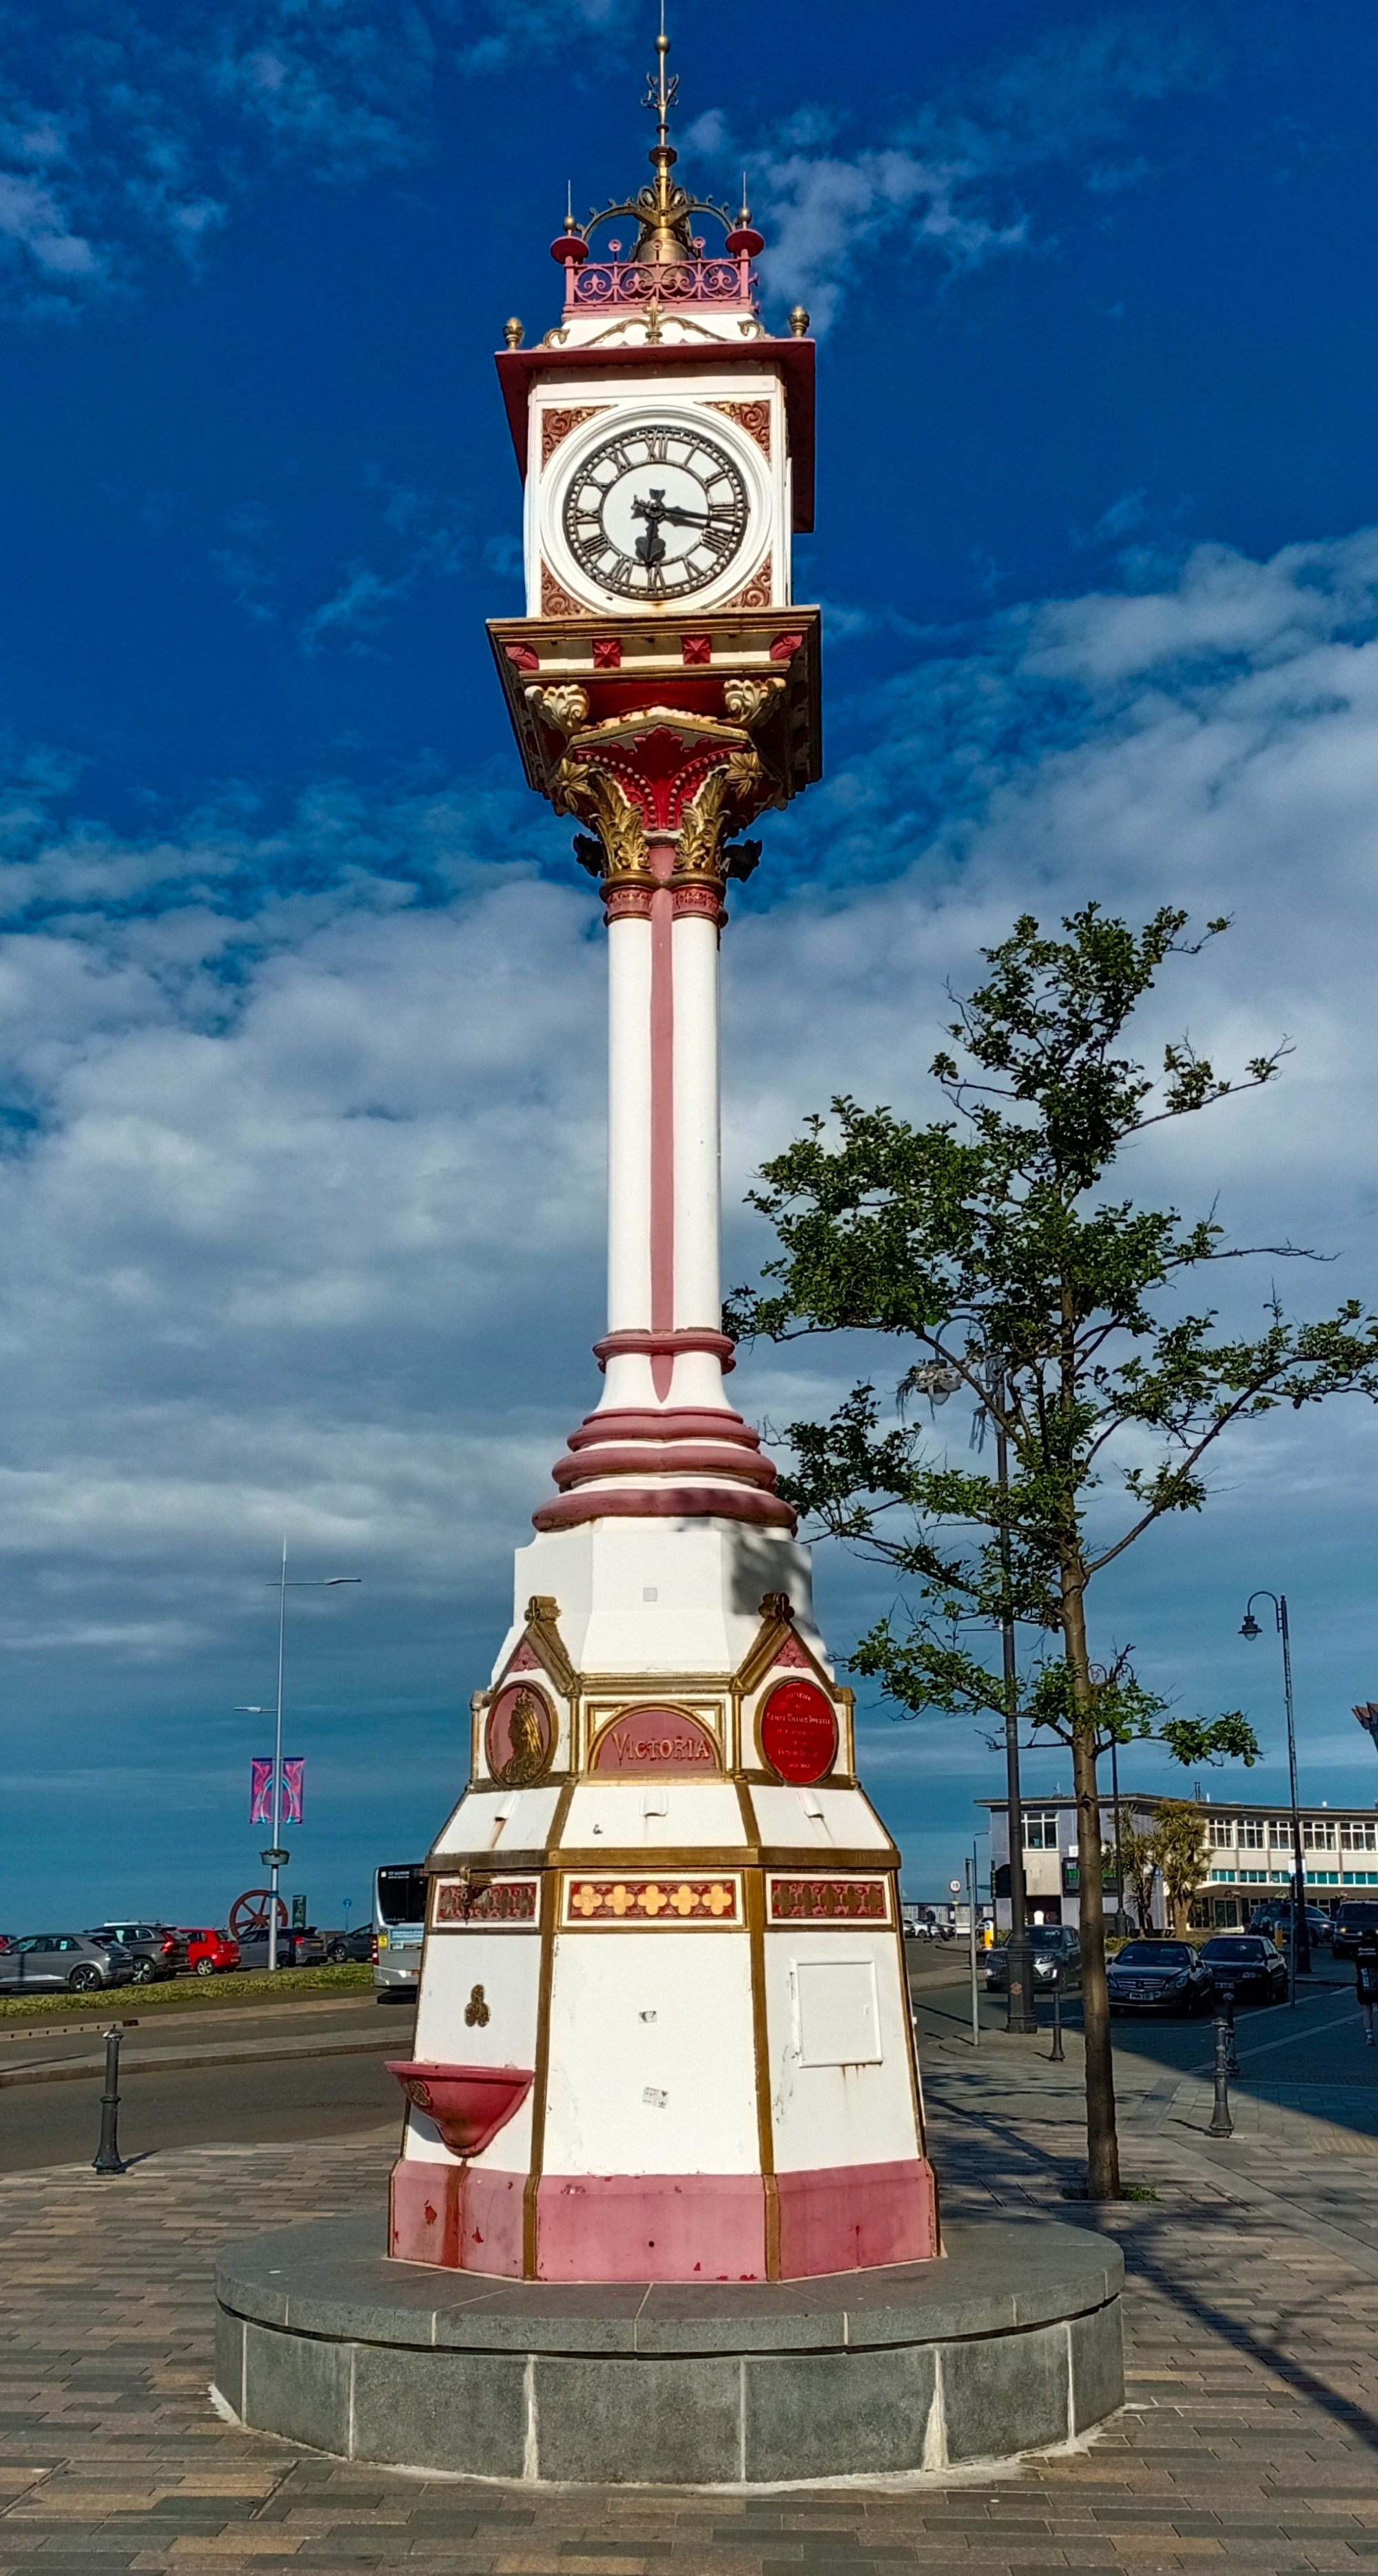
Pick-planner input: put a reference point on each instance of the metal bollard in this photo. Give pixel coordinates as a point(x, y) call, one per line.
point(1057, 2053)
point(107, 2159)
point(1229, 2026)
point(1222, 2126)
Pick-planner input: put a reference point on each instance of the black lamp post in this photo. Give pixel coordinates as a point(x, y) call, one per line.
point(1300, 1945)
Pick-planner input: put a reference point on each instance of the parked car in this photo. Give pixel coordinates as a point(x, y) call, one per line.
point(295, 1950)
point(1244, 1964)
point(1056, 1959)
point(1274, 1916)
point(49, 1962)
point(156, 1950)
point(1159, 1976)
point(357, 1944)
point(209, 1953)
point(1346, 1924)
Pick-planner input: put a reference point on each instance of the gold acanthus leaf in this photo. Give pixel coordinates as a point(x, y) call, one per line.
point(578, 786)
point(566, 705)
point(747, 699)
point(701, 829)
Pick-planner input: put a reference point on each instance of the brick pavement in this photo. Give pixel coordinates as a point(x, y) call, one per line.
point(1250, 2441)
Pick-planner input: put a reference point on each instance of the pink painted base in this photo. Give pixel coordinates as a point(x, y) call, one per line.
point(663, 2227)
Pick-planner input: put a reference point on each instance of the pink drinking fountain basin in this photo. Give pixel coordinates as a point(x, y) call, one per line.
point(469, 2104)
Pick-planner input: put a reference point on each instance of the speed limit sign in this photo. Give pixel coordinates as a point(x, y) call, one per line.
point(954, 1886)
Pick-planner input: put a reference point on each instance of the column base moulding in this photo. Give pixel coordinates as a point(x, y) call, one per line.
point(662, 2227)
point(663, 1458)
point(666, 1502)
point(637, 1343)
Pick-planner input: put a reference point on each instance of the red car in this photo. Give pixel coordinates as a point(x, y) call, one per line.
point(210, 1952)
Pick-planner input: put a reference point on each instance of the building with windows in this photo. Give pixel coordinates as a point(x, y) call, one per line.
point(1249, 1856)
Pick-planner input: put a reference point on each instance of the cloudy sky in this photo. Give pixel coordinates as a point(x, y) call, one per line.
point(301, 995)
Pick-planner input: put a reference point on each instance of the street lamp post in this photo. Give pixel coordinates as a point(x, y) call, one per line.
point(276, 1856)
point(1299, 1947)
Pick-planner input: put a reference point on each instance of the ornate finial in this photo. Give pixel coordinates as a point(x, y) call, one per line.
point(744, 217)
point(799, 322)
point(514, 332)
point(663, 208)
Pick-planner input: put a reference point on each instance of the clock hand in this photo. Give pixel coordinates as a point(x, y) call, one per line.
point(650, 549)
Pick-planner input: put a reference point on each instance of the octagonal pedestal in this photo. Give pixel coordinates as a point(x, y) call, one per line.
point(1011, 2342)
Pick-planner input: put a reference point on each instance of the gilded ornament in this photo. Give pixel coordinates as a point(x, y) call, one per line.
point(747, 699)
point(701, 830)
point(577, 784)
point(566, 705)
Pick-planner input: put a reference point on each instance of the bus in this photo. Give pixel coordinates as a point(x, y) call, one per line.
point(399, 1923)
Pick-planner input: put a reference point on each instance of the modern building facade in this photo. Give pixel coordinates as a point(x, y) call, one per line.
point(1249, 1855)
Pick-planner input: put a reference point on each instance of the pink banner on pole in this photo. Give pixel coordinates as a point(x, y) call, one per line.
point(261, 1792)
point(293, 1788)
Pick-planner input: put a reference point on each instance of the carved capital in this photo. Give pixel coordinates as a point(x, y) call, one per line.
point(698, 860)
point(582, 787)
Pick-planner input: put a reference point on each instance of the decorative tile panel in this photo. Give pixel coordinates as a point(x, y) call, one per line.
point(829, 1900)
point(669, 1900)
point(460, 1901)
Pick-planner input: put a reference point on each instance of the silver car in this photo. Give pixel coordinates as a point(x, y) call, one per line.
point(63, 1962)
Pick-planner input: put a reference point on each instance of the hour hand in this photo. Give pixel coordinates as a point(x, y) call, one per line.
point(678, 518)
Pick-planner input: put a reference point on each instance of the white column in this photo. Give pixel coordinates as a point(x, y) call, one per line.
point(629, 1151)
point(698, 1182)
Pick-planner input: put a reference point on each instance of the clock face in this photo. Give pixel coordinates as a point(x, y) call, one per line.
point(656, 512)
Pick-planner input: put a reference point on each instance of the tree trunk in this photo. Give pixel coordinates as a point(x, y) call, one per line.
point(1102, 2141)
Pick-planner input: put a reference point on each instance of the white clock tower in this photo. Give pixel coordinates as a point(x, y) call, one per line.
point(664, 2029)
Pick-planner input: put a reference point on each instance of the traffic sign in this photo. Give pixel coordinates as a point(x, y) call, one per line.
point(955, 1886)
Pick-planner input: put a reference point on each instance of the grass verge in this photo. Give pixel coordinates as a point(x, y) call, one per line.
point(178, 1994)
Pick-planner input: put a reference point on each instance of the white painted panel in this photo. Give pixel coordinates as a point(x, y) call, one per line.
point(837, 2114)
point(821, 1819)
point(651, 2059)
point(498, 1820)
point(697, 1815)
point(836, 2015)
point(708, 1578)
point(508, 1967)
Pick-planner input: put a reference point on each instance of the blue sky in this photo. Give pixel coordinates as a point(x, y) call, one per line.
point(300, 993)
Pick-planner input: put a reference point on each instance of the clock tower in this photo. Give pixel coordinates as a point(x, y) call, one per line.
point(663, 2029)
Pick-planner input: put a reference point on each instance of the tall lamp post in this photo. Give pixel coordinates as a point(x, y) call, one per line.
point(1299, 1947)
point(938, 1381)
point(276, 1856)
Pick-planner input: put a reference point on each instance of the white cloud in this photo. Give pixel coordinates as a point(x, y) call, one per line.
point(942, 181)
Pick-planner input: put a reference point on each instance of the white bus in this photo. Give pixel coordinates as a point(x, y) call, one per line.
point(399, 1923)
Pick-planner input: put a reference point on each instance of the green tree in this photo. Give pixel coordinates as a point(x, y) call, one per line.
point(1139, 1860)
point(992, 1245)
point(1182, 1853)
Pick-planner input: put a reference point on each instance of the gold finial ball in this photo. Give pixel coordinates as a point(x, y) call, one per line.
point(514, 332)
point(799, 321)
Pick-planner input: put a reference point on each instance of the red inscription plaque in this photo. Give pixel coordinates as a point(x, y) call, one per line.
point(799, 1732)
point(519, 1738)
point(656, 1739)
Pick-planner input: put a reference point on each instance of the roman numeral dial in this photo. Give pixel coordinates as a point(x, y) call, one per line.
point(656, 513)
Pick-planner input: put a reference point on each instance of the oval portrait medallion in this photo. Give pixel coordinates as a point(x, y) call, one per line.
point(664, 1740)
point(519, 1738)
point(799, 1736)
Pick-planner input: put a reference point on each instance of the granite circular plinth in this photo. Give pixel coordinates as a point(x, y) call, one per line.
point(1011, 2342)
